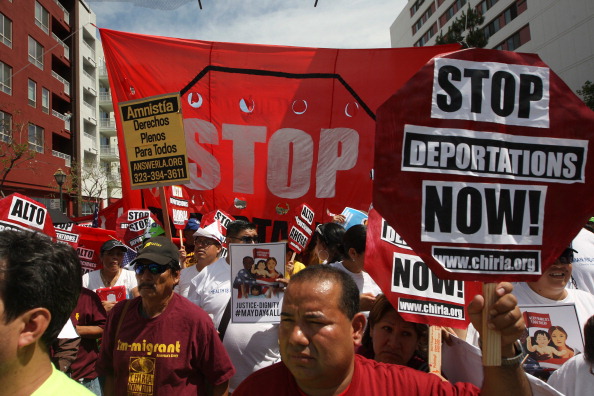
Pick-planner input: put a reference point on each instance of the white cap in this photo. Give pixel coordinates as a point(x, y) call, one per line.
point(212, 231)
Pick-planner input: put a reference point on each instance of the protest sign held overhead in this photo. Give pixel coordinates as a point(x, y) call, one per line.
point(178, 206)
point(67, 233)
point(416, 293)
point(155, 141)
point(482, 165)
point(21, 213)
point(136, 225)
point(301, 228)
point(267, 127)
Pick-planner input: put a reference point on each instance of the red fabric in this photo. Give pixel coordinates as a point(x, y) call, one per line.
point(267, 127)
point(88, 312)
point(369, 378)
point(171, 354)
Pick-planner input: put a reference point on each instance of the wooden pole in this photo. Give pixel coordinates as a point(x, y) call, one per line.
point(491, 339)
point(435, 350)
point(167, 223)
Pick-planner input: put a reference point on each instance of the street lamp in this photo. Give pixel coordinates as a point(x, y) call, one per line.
point(60, 177)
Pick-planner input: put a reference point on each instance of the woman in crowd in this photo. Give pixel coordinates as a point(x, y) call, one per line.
point(576, 376)
point(328, 243)
point(390, 339)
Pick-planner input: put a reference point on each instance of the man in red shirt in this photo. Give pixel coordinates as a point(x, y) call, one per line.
point(320, 324)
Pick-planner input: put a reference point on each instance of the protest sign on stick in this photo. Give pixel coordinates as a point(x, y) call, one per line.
point(487, 146)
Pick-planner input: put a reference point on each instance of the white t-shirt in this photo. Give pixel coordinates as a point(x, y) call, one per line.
point(573, 378)
point(584, 301)
point(93, 281)
point(583, 262)
point(250, 346)
point(364, 282)
point(185, 280)
point(211, 289)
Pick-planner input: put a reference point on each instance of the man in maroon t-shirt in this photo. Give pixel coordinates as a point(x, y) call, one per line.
point(161, 344)
point(320, 324)
point(89, 318)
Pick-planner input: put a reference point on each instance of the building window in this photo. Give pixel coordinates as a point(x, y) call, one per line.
point(421, 21)
point(41, 17)
point(32, 93)
point(45, 100)
point(5, 126)
point(516, 40)
point(427, 36)
point(451, 11)
point(36, 138)
point(415, 7)
point(5, 78)
point(486, 5)
point(35, 53)
point(5, 30)
point(503, 19)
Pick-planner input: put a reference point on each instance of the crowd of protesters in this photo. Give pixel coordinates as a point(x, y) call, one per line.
point(338, 334)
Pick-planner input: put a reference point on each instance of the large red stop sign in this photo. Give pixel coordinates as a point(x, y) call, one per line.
point(481, 164)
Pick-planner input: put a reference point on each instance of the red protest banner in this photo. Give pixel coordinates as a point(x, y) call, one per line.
point(475, 156)
point(21, 213)
point(67, 233)
point(267, 127)
point(417, 294)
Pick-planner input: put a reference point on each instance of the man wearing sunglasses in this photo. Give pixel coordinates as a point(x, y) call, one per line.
point(551, 289)
point(160, 343)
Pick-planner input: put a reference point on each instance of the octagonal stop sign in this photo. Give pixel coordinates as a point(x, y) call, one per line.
point(482, 165)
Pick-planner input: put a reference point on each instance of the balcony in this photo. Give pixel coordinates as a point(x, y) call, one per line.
point(66, 157)
point(63, 81)
point(105, 97)
point(92, 109)
point(90, 142)
point(90, 77)
point(90, 48)
point(66, 48)
point(109, 152)
point(63, 117)
point(107, 126)
point(66, 13)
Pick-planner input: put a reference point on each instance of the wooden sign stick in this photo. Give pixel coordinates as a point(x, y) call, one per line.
point(166, 222)
point(491, 339)
point(435, 350)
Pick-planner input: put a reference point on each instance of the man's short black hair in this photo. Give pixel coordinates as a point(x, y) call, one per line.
point(38, 273)
point(355, 238)
point(235, 227)
point(349, 298)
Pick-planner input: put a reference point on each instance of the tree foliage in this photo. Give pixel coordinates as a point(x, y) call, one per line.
point(587, 94)
point(465, 30)
point(14, 148)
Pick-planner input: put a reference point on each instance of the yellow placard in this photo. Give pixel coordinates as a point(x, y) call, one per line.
point(155, 141)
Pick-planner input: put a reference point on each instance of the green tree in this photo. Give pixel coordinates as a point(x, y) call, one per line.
point(587, 94)
point(465, 30)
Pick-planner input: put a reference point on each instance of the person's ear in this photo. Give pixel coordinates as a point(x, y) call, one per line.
point(352, 254)
point(35, 321)
point(358, 324)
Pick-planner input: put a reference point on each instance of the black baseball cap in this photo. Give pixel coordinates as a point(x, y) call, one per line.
point(159, 250)
point(113, 244)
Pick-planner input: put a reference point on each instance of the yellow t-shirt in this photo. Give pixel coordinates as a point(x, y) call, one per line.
point(58, 384)
point(296, 268)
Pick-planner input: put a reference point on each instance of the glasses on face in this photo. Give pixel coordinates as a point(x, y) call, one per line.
point(565, 259)
point(153, 268)
point(203, 241)
point(247, 239)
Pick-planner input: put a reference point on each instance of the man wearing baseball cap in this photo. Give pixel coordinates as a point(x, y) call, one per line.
point(161, 343)
point(210, 286)
point(186, 250)
point(111, 274)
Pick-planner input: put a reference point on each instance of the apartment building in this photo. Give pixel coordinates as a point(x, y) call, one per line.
point(560, 32)
point(49, 99)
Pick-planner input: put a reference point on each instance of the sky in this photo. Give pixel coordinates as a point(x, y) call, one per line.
point(331, 24)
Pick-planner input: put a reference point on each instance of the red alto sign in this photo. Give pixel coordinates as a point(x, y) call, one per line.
point(482, 165)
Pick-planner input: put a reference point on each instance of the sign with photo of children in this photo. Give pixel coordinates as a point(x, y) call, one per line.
point(554, 336)
point(256, 294)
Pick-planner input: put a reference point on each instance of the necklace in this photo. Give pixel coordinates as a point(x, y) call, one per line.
point(113, 280)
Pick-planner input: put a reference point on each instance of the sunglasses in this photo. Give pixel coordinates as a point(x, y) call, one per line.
point(153, 268)
point(247, 239)
point(204, 241)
